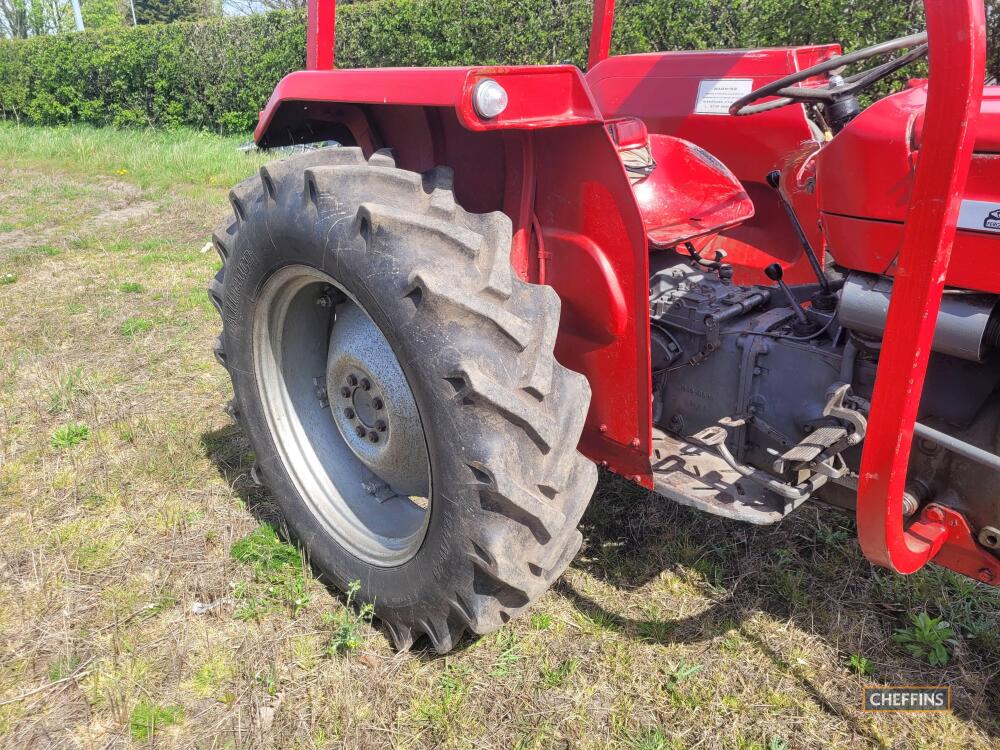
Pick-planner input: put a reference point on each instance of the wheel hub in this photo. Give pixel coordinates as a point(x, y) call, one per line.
point(372, 405)
point(341, 416)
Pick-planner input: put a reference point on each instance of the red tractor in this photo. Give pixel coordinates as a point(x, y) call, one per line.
point(714, 273)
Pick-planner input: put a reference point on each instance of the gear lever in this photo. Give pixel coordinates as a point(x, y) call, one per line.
point(824, 299)
point(802, 323)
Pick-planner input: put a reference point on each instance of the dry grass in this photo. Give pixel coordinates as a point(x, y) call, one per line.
point(125, 619)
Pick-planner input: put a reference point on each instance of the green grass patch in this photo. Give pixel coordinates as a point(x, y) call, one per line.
point(63, 667)
point(69, 435)
point(130, 287)
point(557, 675)
point(264, 551)
point(133, 326)
point(279, 577)
point(651, 738)
point(149, 718)
point(47, 250)
point(541, 620)
point(861, 665)
point(150, 158)
point(7, 278)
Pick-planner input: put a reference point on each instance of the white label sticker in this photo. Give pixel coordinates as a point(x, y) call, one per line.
point(980, 216)
point(715, 95)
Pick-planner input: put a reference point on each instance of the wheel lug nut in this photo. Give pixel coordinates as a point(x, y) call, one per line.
point(365, 384)
point(377, 402)
point(352, 380)
point(381, 426)
point(345, 392)
point(360, 430)
point(349, 413)
point(373, 436)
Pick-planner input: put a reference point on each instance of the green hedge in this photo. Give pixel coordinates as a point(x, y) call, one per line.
point(217, 74)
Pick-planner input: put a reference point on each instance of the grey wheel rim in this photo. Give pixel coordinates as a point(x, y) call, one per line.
point(342, 416)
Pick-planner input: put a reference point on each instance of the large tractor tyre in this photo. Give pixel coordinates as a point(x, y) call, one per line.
point(397, 383)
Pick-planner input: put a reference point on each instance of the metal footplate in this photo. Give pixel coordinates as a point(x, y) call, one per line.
point(704, 473)
point(694, 476)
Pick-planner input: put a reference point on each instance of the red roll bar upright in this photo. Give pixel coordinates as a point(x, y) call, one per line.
point(956, 30)
point(600, 32)
point(321, 28)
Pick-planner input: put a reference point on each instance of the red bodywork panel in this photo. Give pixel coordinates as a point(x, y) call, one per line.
point(865, 179)
point(545, 96)
point(693, 196)
point(661, 89)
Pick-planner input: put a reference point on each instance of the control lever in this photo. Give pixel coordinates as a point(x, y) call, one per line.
point(802, 324)
point(825, 300)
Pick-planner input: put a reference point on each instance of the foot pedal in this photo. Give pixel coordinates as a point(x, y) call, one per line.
point(821, 442)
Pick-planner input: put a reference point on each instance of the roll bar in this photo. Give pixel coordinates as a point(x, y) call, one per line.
point(321, 26)
point(957, 37)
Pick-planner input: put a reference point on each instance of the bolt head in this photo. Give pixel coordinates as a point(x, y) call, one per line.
point(360, 430)
point(345, 392)
point(378, 403)
point(366, 384)
point(373, 437)
point(635, 442)
point(934, 514)
point(349, 413)
point(603, 428)
point(352, 380)
point(323, 301)
point(985, 575)
point(381, 426)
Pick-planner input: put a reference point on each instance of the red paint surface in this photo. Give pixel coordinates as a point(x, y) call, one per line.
point(600, 31)
point(661, 88)
point(546, 96)
point(599, 264)
point(691, 196)
point(321, 20)
point(865, 178)
point(956, 31)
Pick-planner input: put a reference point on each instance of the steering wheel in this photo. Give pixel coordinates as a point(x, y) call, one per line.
point(839, 88)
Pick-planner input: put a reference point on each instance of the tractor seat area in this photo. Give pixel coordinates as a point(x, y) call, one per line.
point(687, 194)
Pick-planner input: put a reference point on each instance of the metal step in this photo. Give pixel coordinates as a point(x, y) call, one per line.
point(690, 475)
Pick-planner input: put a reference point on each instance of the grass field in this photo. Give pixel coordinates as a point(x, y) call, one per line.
point(145, 600)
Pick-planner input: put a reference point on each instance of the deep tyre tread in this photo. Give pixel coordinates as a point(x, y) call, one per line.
point(502, 417)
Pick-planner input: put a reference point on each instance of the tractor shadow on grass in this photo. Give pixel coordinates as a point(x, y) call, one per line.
point(807, 569)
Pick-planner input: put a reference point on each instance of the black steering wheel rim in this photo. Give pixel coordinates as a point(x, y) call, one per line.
point(789, 93)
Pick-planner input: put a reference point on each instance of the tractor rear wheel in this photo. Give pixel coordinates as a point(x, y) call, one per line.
point(397, 383)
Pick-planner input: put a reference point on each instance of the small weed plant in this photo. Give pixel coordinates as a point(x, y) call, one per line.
point(927, 638)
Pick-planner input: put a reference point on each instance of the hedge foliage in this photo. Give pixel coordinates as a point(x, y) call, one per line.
point(217, 74)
